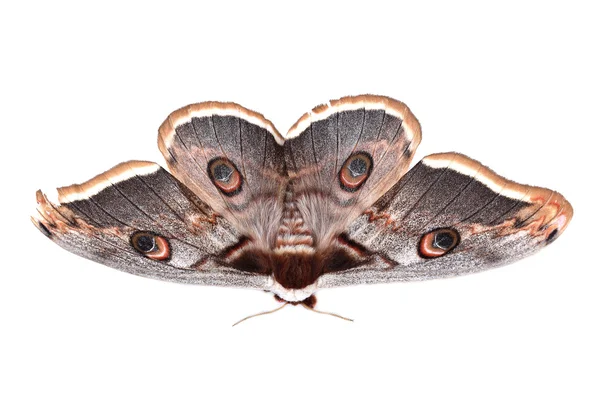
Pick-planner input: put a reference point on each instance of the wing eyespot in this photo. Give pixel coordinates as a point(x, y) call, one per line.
point(151, 245)
point(438, 242)
point(225, 176)
point(355, 171)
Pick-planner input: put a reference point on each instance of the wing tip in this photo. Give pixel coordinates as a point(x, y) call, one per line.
point(46, 219)
point(558, 213)
point(553, 210)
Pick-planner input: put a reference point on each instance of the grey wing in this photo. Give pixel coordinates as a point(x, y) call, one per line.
point(450, 215)
point(138, 218)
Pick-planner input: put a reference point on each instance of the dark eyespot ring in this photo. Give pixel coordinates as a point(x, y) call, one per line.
point(355, 171)
point(438, 242)
point(225, 176)
point(151, 245)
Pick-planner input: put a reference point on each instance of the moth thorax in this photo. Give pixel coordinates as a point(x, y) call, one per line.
point(292, 229)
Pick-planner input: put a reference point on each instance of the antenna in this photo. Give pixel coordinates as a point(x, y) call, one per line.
point(260, 313)
point(326, 313)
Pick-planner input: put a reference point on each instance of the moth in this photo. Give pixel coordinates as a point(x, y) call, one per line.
point(328, 204)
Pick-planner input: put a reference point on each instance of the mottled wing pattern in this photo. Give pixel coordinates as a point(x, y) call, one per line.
point(330, 204)
point(486, 220)
point(205, 142)
point(378, 133)
point(177, 236)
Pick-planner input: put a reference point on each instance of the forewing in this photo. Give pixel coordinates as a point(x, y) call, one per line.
point(496, 221)
point(380, 132)
point(118, 215)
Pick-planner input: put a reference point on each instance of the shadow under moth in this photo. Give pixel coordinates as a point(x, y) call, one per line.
point(331, 203)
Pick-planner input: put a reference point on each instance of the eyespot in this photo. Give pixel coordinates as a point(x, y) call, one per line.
point(438, 242)
point(151, 245)
point(355, 171)
point(225, 176)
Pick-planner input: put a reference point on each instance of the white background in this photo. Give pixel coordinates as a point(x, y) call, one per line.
point(85, 87)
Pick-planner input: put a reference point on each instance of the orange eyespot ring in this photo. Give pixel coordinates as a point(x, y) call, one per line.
point(438, 242)
point(225, 176)
point(355, 171)
point(151, 245)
